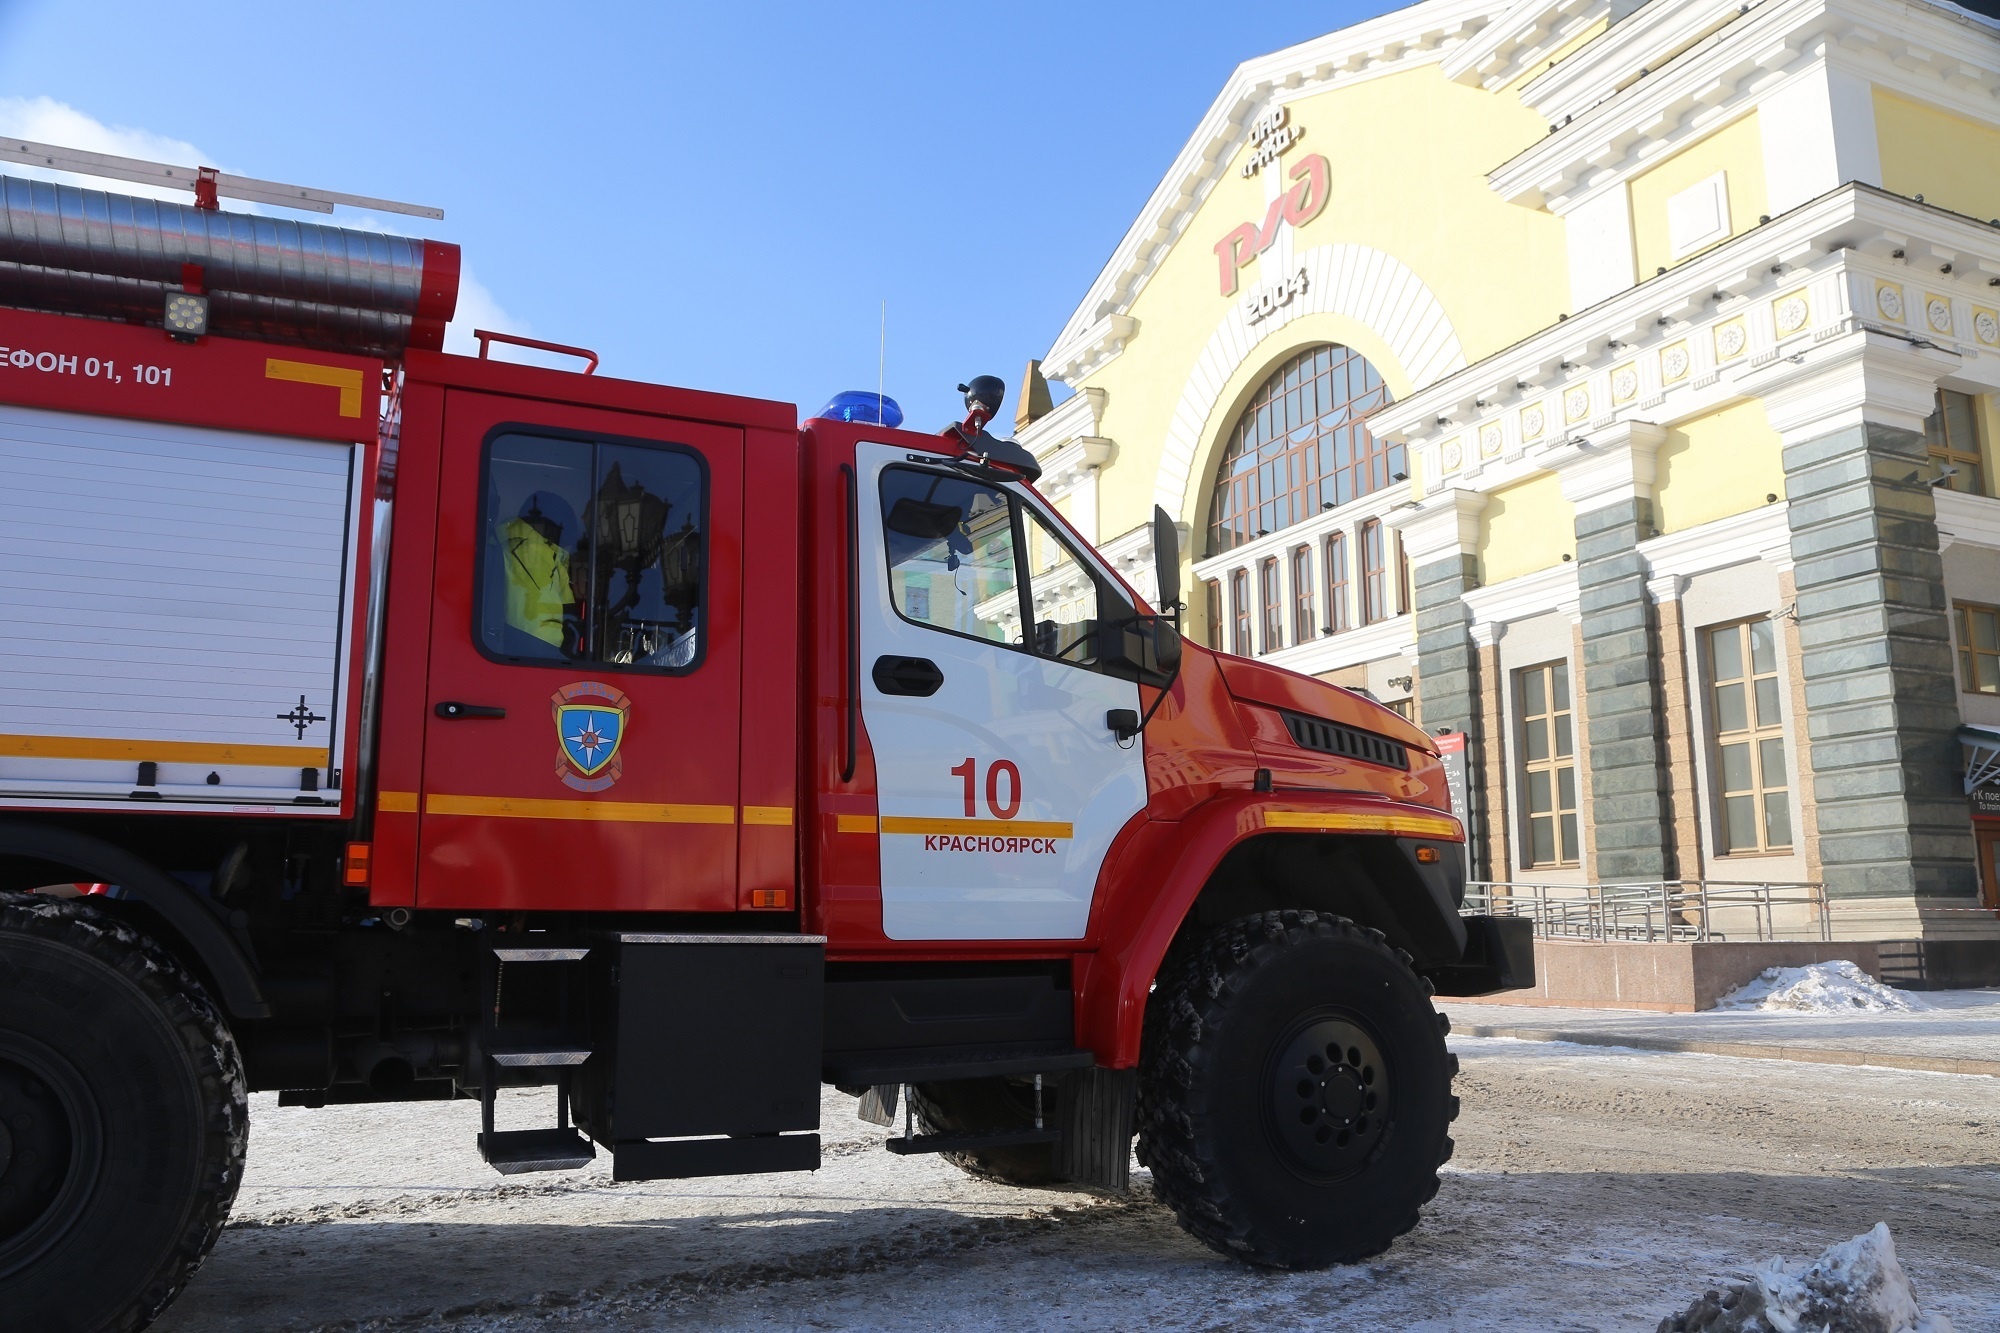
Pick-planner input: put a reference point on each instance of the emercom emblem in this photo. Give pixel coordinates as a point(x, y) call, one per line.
point(590, 720)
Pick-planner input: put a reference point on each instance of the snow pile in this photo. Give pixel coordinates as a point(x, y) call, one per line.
point(1854, 1287)
point(1822, 988)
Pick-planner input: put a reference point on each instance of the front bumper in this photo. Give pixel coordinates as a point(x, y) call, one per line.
point(1499, 955)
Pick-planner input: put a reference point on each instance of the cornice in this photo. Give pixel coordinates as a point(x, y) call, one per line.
point(1551, 589)
point(1763, 533)
point(1912, 45)
point(1396, 636)
point(1507, 47)
point(1645, 40)
point(1972, 519)
point(1082, 413)
point(1738, 321)
point(1401, 39)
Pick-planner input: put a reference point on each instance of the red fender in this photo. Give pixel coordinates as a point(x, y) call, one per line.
point(1173, 859)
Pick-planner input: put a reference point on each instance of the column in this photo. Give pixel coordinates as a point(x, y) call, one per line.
point(1441, 537)
point(1873, 630)
point(1609, 479)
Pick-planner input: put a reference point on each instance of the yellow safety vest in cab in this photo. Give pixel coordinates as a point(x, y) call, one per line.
point(537, 581)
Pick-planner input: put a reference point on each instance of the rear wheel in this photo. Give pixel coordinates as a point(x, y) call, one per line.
point(1295, 1091)
point(986, 1106)
point(122, 1120)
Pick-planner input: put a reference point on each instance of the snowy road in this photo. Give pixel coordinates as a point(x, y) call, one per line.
point(1592, 1189)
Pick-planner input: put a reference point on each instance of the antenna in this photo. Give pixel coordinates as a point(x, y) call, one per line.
point(882, 362)
point(205, 183)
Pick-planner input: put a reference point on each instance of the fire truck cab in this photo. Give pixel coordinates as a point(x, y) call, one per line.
point(427, 725)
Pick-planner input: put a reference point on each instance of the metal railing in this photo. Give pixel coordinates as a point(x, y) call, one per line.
point(1680, 910)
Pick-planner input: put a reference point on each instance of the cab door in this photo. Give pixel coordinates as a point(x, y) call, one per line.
point(999, 785)
point(580, 744)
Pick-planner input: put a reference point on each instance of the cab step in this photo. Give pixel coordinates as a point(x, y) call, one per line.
point(1010, 1138)
point(514, 1152)
point(940, 1064)
point(509, 1054)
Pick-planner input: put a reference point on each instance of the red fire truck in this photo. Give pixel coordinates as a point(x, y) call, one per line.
point(378, 724)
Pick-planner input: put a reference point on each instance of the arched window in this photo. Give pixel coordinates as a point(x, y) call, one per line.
point(1300, 447)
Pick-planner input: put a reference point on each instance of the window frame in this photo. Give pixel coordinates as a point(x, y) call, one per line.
point(1753, 735)
point(1551, 763)
point(1239, 611)
point(480, 534)
point(1374, 576)
point(1966, 651)
point(1271, 599)
point(1024, 576)
point(1305, 628)
point(1335, 557)
point(1212, 613)
point(1942, 451)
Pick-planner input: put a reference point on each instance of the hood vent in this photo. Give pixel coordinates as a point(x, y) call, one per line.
point(1316, 733)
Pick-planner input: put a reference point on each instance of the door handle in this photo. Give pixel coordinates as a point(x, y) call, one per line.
point(907, 675)
point(453, 711)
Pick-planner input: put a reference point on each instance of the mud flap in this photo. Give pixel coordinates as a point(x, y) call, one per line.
point(1099, 1115)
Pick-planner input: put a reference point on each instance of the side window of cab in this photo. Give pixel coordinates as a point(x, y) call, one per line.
point(972, 559)
point(593, 551)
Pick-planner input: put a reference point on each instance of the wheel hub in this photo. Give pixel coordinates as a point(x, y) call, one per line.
point(45, 1162)
point(1328, 1095)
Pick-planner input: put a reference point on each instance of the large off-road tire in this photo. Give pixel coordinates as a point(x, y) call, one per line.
point(985, 1106)
point(123, 1121)
point(1294, 1091)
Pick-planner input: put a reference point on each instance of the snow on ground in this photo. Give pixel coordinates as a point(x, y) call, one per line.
point(1592, 1190)
point(1821, 988)
point(1855, 1286)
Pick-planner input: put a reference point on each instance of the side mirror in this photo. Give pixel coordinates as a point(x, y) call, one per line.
point(1167, 561)
point(1146, 648)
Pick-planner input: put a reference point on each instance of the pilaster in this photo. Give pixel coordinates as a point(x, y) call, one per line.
point(1609, 480)
point(1441, 538)
point(1874, 643)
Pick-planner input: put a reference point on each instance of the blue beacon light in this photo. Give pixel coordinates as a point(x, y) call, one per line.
point(863, 405)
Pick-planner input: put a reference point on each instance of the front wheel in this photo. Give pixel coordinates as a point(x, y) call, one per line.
point(122, 1121)
point(1295, 1091)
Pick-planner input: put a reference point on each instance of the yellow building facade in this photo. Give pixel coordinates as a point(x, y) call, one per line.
point(1610, 386)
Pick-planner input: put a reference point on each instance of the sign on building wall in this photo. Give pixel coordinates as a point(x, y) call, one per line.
point(1451, 750)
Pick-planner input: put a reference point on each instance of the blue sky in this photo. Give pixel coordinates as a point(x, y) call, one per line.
point(714, 195)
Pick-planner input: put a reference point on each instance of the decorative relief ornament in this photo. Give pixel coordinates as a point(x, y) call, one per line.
point(1674, 363)
point(1533, 420)
point(1730, 340)
point(1624, 384)
point(1489, 440)
point(1453, 453)
point(1576, 404)
point(1938, 311)
point(1792, 313)
point(1889, 300)
point(1986, 327)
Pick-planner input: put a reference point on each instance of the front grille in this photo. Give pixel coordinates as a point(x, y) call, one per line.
point(1316, 733)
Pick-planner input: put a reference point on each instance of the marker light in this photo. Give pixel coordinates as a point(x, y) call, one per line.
point(186, 316)
point(862, 405)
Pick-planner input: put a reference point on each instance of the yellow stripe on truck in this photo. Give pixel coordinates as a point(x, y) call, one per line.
point(612, 812)
point(1019, 828)
point(163, 752)
point(1420, 826)
point(776, 816)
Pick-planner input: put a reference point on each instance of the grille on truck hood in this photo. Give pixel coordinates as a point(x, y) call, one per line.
point(1316, 733)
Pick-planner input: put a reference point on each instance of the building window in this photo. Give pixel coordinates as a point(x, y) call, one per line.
point(1239, 606)
point(1304, 626)
point(1745, 715)
point(1548, 766)
point(1374, 578)
point(1336, 583)
point(1952, 432)
point(1274, 607)
point(1300, 447)
point(1212, 599)
point(1978, 647)
point(1403, 708)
